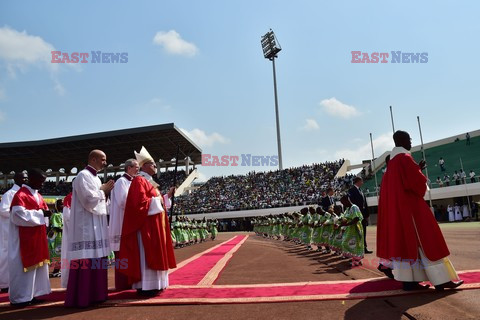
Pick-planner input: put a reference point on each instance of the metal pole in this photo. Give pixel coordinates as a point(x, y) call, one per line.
point(466, 189)
point(279, 144)
point(372, 165)
point(391, 116)
point(426, 168)
point(175, 185)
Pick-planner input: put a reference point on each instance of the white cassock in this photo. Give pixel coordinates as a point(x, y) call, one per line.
point(24, 286)
point(437, 272)
point(151, 279)
point(4, 226)
point(118, 198)
point(458, 214)
point(451, 215)
point(65, 264)
point(167, 202)
point(87, 228)
point(466, 212)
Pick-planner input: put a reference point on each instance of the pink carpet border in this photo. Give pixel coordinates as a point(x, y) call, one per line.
point(288, 292)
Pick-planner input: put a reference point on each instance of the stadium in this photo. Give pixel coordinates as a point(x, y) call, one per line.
point(235, 207)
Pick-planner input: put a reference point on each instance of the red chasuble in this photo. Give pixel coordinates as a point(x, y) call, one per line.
point(154, 229)
point(33, 240)
point(405, 221)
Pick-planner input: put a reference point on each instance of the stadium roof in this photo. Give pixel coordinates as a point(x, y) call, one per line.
point(68, 152)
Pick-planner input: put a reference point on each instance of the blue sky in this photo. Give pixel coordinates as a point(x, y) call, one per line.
point(199, 64)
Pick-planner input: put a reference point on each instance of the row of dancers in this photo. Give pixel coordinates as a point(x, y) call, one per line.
point(338, 230)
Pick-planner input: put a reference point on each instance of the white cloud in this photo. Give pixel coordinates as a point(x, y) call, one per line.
point(201, 138)
point(339, 109)
point(172, 42)
point(310, 125)
point(19, 50)
point(362, 152)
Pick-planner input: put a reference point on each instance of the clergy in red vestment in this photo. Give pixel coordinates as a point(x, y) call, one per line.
point(28, 254)
point(407, 233)
point(146, 251)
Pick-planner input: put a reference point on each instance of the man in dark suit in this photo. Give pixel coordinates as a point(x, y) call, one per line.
point(328, 200)
point(358, 198)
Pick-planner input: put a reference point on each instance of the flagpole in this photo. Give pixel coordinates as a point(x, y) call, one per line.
point(372, 164)
point(426, 168)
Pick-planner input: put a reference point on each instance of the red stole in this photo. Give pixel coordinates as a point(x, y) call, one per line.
point(33, 240)
point(154, 230)
point(67, 201)
point(405, 221)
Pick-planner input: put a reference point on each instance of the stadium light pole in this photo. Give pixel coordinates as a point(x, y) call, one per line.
point(426, 168)
point(271, 47)
point(391, 116)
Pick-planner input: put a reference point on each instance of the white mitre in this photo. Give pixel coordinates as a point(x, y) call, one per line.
point(143, 156)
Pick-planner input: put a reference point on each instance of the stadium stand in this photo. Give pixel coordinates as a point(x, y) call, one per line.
point(451, 150)
point(260, 190)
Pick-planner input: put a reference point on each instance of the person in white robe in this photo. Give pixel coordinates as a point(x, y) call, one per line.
point(19, 179)
point(27, 284)
point(458, 213)
point(117, 210)
point(451, 214)
point(88, 241)
point(466, 211)
point(65, 264)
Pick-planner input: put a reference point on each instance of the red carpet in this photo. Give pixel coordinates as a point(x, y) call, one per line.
point(193, 272)
point(285, 292)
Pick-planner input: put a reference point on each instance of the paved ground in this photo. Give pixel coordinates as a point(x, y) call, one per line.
point(267, 261)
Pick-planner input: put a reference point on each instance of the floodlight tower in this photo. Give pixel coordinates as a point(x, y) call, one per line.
point(271, 47)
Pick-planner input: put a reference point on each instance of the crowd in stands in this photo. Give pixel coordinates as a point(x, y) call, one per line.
point(50, 188)
point(260, 190)
point(255, 190)
point(166, 179)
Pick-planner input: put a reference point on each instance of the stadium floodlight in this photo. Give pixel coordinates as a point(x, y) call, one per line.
point(271, 47)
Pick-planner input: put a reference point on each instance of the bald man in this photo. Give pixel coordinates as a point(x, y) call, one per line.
point(20, 178)
point(88, 241)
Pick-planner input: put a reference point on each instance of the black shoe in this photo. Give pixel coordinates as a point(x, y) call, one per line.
point(449, 285)
point(147, 293)
point(21, 304)
point(368, 251)
point(412, 286)
point(386, 270)
point(37, 301)
point(4, 290)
